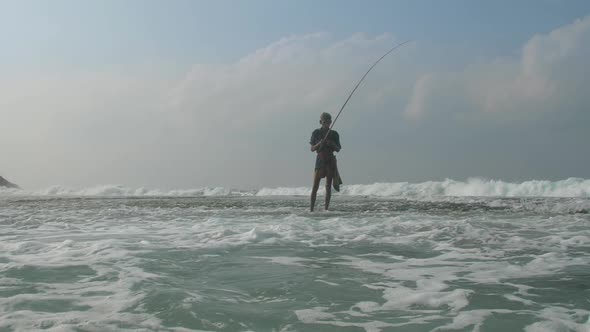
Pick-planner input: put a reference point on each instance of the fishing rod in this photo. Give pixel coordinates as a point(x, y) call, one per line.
point(360, 81)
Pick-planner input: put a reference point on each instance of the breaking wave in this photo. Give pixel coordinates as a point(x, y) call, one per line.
point(117, 190)
point(572, 187)
point(475, 187)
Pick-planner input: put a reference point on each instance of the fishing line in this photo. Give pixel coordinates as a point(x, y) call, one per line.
point(360, 81)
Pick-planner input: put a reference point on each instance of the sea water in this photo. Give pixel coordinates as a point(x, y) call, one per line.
point(437, 256)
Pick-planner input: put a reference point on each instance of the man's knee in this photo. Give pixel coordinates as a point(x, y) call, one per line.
point(316, 184)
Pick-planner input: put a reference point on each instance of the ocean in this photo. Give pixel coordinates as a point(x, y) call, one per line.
point(474, 255)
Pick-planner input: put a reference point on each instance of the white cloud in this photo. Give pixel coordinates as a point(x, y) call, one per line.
point(105, 126)
point(551, 66)
point(415, 107)
point(143, 126)
point(296, 74)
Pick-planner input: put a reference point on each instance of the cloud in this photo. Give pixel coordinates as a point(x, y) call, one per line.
point(134, 123)
point(545, 77)
point(298, 74)
point(415, 107)
point(247, 123)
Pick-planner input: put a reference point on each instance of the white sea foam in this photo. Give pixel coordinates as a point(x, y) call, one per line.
point(561, 319)
point(572, 187)
point(417, 266)
point(473, 318)
point(474, 187)
point(121, 191)
point(421, 266)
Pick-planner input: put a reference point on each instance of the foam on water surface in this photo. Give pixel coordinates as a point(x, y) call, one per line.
point(251, 263)
point(473, 187)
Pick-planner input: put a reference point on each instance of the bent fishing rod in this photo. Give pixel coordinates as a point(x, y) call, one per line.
point(359, 83)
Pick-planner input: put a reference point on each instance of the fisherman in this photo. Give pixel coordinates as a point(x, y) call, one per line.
point(325, 164)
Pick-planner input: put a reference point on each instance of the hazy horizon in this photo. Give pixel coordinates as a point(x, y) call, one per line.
point(188, 94)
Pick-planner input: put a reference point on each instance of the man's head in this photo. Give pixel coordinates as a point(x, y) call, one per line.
point(325, 120)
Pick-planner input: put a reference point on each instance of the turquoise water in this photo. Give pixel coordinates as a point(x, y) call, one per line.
point(230, 263)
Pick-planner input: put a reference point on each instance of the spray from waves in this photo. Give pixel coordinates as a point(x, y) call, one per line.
point(120, 191)
point(572, 187)
point(475, 187)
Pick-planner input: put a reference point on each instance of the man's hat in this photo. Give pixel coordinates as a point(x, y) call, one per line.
point(325, 116)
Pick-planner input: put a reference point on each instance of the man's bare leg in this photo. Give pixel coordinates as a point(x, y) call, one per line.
point(314, 190)
point(329, 178)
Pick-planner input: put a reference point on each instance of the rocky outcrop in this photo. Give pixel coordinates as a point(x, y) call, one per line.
point(5, 183)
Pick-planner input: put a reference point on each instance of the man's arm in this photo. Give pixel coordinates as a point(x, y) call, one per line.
point(335, 143)
point(318, 146)
point(315, 147)
point(315, 141)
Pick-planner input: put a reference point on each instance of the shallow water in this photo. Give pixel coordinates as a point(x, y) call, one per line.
point(232, 263)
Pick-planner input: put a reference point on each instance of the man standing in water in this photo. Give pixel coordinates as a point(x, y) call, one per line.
point(325, 164)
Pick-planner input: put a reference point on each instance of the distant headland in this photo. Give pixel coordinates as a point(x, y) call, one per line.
point(5, 183)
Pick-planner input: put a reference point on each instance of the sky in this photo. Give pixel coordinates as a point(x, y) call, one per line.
point(187, 94)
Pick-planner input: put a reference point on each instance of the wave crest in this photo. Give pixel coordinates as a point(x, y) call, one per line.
point(572, 187)
point(118, 191)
